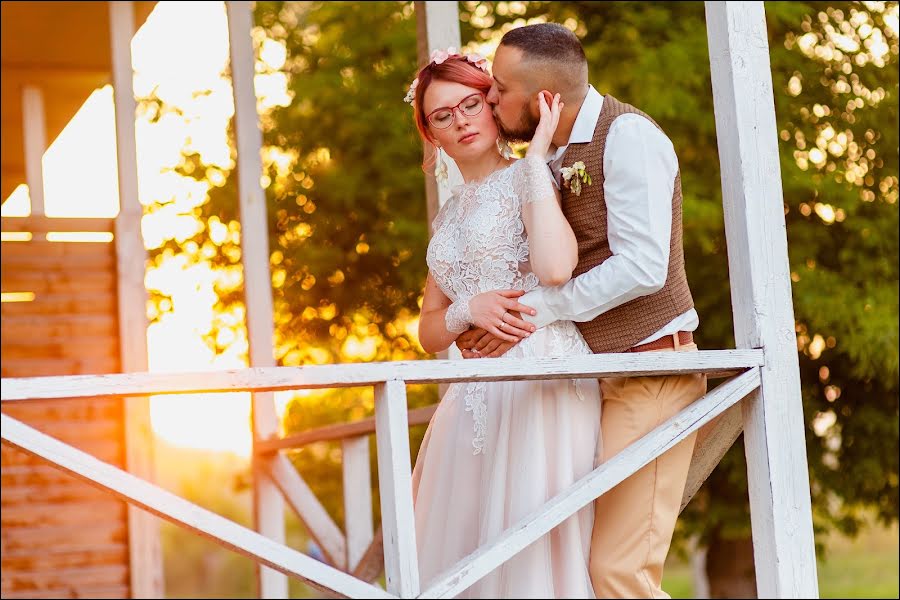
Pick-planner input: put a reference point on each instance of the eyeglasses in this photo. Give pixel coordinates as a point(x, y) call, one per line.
point(470, 106)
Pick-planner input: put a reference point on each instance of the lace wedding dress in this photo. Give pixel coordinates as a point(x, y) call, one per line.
point(494, 452)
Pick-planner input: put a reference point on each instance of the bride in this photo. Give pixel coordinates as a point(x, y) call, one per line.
point(494, 452)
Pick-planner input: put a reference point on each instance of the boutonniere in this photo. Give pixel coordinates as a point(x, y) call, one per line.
point(574, 176)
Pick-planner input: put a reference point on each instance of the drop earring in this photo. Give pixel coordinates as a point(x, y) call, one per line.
point(440, 168)
point(503, 148)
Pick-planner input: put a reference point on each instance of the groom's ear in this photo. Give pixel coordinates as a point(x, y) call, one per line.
point(548, 97)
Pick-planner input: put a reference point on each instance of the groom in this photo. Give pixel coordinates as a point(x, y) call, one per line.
point(629, 292)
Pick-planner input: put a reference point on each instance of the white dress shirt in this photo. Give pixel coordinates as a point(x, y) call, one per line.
point(640, 166)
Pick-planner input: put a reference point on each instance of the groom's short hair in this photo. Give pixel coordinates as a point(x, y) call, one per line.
point(551, 44)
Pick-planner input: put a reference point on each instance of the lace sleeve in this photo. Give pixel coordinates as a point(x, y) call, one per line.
point(458, 317)
point(535, 181)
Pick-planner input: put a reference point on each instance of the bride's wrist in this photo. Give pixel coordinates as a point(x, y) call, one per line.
point(458, 316)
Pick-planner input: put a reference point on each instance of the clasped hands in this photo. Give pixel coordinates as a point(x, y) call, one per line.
point(498, 324)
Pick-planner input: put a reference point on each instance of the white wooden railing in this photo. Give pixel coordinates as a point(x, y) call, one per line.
point(353, 555)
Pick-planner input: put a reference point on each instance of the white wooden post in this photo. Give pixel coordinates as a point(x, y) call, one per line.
point(778, 478)
point(437, 28)
point(146, 566)
point(34, 130)
point(401, 564)
point(358, 517)
point(268, 502)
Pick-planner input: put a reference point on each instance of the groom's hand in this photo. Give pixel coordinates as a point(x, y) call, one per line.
point(467, 340)
point(489, 346)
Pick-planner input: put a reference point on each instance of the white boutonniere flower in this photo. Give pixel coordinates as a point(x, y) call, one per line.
point(574, 176)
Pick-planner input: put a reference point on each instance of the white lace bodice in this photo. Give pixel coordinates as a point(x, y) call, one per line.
point(479, 245)
point(479, 242)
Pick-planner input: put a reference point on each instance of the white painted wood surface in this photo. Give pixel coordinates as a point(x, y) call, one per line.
point(713, 362)
point(34, 132)
point(268, 504)
point(774, 429)
point(437, 28)
point(401, 565)
point(145, 549)
point(358, 517)
point(487, 558)
point(315, 518)
point(178, 510)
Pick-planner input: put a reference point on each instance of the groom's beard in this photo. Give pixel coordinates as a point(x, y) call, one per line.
point(522, 131)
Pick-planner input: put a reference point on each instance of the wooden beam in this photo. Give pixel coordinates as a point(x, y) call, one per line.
point(713, 441)
point(34, 128)
point(472, 568)
point(340, 431)
point(372, 562)
point(358, 518)
point(186, 514)
point(318, 522)
point(778, 476)
point(714, 362)
point(401, 564)
point(146, 561)
point(43, 224)
point(268, 504)
point(437, 27)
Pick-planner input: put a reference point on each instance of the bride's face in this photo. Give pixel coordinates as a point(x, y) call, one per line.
point(459, 120)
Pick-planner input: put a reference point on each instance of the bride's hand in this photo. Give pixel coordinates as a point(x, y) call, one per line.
point(489, 311)
point(543, 135)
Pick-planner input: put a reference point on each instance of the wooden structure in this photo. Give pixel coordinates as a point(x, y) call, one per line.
point(761, 393)
point(74, 308)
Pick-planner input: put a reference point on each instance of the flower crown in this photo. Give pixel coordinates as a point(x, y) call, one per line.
point(438, 57)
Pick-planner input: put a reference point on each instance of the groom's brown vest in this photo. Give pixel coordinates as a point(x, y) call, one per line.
point(626, 325)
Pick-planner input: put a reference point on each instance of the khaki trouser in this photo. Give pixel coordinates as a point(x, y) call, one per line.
point(634, 521)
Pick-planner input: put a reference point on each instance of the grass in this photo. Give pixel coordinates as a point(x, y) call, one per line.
point(866, 567)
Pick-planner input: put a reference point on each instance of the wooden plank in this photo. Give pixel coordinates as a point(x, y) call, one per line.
point(268, 504)
point(63, 305)
point(55, 282)
point(339, 431)
point(169, 506)
point(43, 248)
point(60, 578)
point(529, 529)
point(89, 409)
point(73, 491)
point(67, 262)
point(34, 133)
point(371, 564)
point(43, 514)
point(44, 224)
point(47, 558)
point(52, 327)
point(316, 519)
point(774, 428)
point(93, 530)
point(88, 432)
point(102, 348)
point(113, 591)
point(357, 374)
point(713, 441)
point(401, 564)
point(30, 367)
point(146, 561)
point(105, 450)
point(358, 518)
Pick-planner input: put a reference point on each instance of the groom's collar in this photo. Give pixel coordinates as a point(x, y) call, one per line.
point(585, 124)
point(588, 115)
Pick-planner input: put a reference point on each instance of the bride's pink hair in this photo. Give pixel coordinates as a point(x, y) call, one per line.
point(456, 70)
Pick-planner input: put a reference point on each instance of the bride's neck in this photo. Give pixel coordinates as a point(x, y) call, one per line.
point(481, 167)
